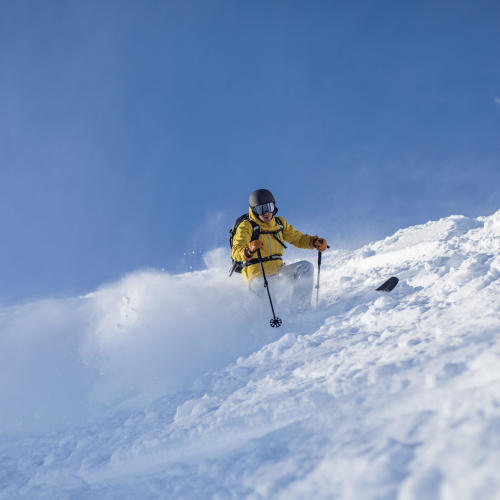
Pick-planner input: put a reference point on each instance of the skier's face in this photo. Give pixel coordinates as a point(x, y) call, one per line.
point(266, 217)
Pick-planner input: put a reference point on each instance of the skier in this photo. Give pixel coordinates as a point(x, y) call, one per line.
point(272, 232)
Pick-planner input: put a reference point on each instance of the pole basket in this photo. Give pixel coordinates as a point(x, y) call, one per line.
point(275, 322)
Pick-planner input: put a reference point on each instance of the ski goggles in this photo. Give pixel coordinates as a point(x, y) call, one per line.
point(264, 208)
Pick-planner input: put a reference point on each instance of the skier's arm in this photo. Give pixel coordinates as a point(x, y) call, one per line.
point(241, 240)
point(295, 237)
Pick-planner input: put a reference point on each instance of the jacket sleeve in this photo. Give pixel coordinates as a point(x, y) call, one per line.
point(295, 237)
point(241, 240)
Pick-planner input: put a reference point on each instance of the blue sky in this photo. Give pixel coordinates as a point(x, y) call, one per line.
point(132, 132)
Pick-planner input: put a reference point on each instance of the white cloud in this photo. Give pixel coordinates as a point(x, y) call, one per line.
point(497, 100)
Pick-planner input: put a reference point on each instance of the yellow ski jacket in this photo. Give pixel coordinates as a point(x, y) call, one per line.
point(243, 236)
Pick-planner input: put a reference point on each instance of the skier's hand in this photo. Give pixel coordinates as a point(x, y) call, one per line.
point(319, 243)
point(252, 247)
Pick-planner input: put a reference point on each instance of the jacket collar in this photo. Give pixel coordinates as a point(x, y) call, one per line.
point(264, 225)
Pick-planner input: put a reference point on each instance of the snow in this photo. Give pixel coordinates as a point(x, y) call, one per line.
point(163, 386)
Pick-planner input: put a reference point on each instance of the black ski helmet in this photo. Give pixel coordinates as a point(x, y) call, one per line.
point(261, 196)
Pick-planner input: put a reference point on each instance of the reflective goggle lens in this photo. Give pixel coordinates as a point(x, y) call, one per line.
point(266, 207)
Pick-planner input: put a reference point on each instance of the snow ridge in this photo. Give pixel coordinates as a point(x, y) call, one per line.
point(372, 396)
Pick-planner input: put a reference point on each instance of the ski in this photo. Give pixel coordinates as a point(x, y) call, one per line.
point(388, 285)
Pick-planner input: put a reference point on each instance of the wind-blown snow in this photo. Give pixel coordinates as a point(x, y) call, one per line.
point(192, 395)
point(65, 361)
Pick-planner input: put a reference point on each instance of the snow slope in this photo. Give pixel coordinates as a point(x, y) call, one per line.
point(372, 396)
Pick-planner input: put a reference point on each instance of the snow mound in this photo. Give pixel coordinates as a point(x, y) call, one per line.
point(373, 395)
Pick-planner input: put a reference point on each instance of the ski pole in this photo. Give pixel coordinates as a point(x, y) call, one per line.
point(275, 322)
point(317, 282)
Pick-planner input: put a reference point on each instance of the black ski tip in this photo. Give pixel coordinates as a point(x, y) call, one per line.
point(388, 285)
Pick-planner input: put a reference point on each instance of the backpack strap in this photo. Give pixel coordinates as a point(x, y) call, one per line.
point(255, 229)
point(238, 221)
point(275, 233)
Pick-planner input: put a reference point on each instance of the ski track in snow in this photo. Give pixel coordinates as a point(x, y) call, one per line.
point(374, 395)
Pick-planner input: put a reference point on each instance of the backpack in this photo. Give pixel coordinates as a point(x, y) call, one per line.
point(237, 266)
